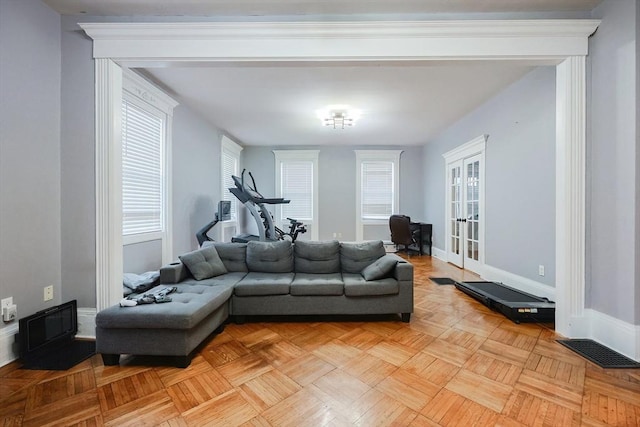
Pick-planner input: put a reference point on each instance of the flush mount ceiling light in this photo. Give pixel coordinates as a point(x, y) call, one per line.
point(338, 116)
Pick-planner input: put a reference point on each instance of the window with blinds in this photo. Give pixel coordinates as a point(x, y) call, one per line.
point(142, 170)
point(297, 185)
point(377, 189)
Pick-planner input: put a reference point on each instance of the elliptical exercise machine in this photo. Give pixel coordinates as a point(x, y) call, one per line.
point(255, 203)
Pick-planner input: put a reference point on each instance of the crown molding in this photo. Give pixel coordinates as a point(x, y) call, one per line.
point(543, 39)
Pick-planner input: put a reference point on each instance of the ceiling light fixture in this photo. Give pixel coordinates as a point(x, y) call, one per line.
point(338, 117)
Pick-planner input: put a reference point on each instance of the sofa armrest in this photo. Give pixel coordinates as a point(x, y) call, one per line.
point(173, 273)
point(403, 270)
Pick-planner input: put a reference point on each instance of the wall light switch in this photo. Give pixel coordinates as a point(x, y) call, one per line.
point(48, 293)
point(541, 270)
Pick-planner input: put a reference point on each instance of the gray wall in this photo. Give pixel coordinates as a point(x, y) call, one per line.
point(141, 257)
point(520, 175)
point(29, 154)
point(612, 164)
point(337, 185)
point(77, 164)
point(196, 177)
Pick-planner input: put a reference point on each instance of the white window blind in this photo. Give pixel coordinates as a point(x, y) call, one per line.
point(229, 167)
point(142, 170)
point(377, 189)
point(297, 186)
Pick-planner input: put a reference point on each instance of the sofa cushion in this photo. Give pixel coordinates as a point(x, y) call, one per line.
point(233, 255)
point(189, 305)
point(380, 268)
point(255, 283)
point(203, 263)
point(270, 257)
point(317, 284)
point(317, 257)
point(357, 286)
point(354, 257)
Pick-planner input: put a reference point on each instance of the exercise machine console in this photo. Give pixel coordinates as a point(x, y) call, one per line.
point(223, 214)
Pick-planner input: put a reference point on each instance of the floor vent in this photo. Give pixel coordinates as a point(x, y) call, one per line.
point(599, 354)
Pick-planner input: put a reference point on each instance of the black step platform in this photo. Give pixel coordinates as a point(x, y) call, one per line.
point(514, 304)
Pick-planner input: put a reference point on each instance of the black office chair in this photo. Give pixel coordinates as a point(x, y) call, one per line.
point(402, 234)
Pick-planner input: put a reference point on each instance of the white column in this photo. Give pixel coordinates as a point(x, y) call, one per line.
point(570, 197)
point(108, 183)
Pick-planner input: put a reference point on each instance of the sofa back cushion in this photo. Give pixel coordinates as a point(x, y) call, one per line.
point(270, 257)
point(317, 257)
point(203, 263)
point(354, 257)
point(233, 255)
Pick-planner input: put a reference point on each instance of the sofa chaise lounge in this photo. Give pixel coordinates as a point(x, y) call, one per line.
point(256, 278)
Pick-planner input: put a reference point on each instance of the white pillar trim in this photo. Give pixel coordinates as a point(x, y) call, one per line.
point(570, 196)
point(108, 183)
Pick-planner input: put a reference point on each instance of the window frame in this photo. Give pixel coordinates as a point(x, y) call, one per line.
point(283, 156)
point(143, 94)
point(233, 149)
point(391, 156)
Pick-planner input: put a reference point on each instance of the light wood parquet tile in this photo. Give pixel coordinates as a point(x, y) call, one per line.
point(456, 363)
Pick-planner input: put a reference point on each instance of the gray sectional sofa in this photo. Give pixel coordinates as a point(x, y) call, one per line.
point(256, 278)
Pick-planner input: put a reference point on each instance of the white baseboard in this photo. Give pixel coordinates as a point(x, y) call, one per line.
point(86, 322)
point(8, 345)
point(494, 274)
point(614, 333)
point(438, 253)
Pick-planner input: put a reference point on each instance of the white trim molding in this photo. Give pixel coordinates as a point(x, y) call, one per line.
point(570, 194)
point(439, 253)
point(108, 160)
point(375, 155)
point(8, 344)
point(407, 40)
point(312, 156)
point(616, 334)
point(563, 42)
point(86, 322)
point(521, 283)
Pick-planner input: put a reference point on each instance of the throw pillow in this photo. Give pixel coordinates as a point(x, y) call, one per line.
point(203, 263)
point(380, 268)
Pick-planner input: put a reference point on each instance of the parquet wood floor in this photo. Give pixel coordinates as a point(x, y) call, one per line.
point(455, 363)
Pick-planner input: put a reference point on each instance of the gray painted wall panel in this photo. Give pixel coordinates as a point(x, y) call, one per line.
point(141, 257)
point(29, 154)
point(612, 164)
point(196, 177)
point(520, 175)
point(77, 159)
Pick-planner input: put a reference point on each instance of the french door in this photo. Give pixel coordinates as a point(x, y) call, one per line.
point(465, 207)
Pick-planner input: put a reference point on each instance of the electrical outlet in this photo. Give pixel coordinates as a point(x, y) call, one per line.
point(541, 270)
point(48, 293)
point(9, 310)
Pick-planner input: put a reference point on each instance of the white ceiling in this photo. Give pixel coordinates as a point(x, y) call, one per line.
point(275, 104)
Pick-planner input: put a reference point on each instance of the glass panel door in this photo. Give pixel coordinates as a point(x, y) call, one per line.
point(454, 213)
point(472, 214)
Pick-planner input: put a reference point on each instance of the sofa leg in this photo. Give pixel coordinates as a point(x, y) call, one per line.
point(110, 359)
point(239, 320)
point(182, 361)
point(406, 317)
